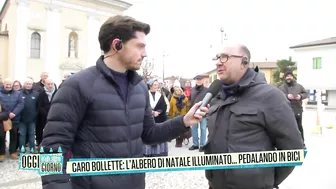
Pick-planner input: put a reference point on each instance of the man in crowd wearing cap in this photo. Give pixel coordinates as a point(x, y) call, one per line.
point(295, 94)
point(197, 94)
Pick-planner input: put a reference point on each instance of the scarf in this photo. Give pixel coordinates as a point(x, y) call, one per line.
point(229, 90)
point(153, 100)
point(179, 102)
point(49, 93)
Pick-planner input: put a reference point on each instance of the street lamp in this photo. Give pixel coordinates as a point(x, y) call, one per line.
point(222, 34)
point(163, 65)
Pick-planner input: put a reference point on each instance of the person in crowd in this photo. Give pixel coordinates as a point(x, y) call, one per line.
point(178, 107)
point(39, 86)
point(197, 94)
point(295, 93)
point(187, 89)
point(4, 116)
point(28, 116)
point(17, 85)
point(1, 82)
point(65, 76)
point(14, 103)
point(104, 111)
point(43, 106)
point(159, 108)
point(163, 89)
point(30, 77)
point(248, 115)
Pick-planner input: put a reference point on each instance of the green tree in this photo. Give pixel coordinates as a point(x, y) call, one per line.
point(284, 65)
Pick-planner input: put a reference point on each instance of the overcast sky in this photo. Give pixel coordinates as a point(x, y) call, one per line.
point(187, 28)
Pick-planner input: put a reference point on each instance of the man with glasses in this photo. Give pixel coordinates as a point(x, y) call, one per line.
point(248, 115)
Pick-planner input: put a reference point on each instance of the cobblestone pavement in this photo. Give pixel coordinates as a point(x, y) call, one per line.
point(316, 172)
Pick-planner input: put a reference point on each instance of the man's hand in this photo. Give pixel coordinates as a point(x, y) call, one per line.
point(298, 97)
point(290, 96)
point(11, 115)
point(191, 118)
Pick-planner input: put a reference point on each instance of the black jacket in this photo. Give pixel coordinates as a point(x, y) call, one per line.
point(89, 117)
point(29, 112)
point(197, 94)
point(4, 115)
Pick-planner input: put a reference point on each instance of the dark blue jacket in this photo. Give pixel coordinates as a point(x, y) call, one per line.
point(29, 113)
point(14, 103)
point(89, 117)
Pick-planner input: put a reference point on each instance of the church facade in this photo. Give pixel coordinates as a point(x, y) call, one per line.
point(55, 36)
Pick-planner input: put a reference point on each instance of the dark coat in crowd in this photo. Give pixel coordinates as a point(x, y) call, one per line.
point(161, 106)
point(30, 110)
point(14, 103)
point(43, 106)
point(4, 115)
point(89, 117)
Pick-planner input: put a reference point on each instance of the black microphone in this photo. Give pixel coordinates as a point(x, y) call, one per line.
point(212, 91)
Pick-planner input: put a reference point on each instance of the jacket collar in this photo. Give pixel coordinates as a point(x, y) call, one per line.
point(245, 82)
point(134, 77)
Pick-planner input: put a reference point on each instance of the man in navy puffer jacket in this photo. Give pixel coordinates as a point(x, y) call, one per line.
point(15, 104)
point(104, 111)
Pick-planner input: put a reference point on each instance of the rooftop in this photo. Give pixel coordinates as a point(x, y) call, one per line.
point(328, 41)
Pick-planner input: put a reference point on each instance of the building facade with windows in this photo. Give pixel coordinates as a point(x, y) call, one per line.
point(55, 36)
point(316, 65)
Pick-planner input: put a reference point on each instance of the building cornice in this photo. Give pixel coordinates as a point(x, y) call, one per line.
point(117, 3)
point(62, 3)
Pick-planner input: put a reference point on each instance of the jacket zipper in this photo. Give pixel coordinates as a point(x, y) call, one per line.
point(128, 126)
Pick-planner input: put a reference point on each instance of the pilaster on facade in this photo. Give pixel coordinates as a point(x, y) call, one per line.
point(53, 8)
point(22, 2)
point(93, 16)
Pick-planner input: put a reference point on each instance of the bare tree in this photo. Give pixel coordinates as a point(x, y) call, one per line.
point(147, 68)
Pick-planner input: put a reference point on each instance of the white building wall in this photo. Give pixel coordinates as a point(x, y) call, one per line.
point(320, 78)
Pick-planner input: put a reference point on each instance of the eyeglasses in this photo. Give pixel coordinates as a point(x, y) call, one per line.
point(225, 57)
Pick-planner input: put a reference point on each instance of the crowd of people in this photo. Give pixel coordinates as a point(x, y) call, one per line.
point(26, 106)
point(169, 103)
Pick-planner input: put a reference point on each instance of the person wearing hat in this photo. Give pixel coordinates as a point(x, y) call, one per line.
point(179, 106)
point(159, 108)
point(197, 94)
point(295, 94)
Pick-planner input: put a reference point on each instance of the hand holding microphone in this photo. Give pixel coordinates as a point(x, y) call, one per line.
point(199, 110)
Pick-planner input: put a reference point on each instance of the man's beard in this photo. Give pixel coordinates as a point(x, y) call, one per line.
point(128, 64)
point(289, 81)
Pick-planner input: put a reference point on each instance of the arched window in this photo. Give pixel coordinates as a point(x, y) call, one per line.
point(35, 45)
point(73, 45)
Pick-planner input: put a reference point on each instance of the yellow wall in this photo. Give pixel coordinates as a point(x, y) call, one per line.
point(10, 19)
point(3, 55)
point(268, 74)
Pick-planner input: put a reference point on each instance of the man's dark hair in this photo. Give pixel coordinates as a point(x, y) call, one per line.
point(121, 27)
point(246, 52)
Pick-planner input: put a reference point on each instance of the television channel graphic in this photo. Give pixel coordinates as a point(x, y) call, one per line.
point(44, 164)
